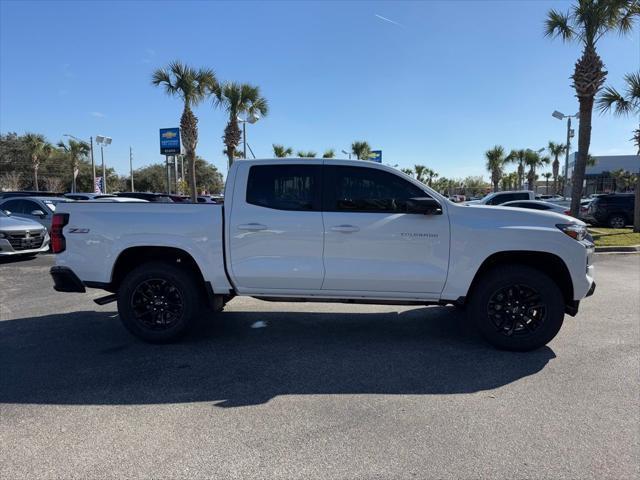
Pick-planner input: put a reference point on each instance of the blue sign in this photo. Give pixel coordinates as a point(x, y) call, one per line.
point(375, 156)
point(169, 141)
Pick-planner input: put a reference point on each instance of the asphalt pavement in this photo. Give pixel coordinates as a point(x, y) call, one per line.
point(294, 390)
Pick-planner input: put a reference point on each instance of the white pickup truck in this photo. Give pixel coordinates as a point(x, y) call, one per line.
point(326, 230)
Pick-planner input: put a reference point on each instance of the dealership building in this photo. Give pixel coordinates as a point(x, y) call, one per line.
point(598, 177)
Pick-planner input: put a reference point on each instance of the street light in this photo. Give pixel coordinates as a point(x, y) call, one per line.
point(93, 163)
point(346, 153)
point(562, 116)
point(252, 118)
point(103, 142)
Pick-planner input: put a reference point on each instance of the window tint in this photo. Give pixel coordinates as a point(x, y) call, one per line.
point(359, 189)
point(284, 187)
point(20, 206)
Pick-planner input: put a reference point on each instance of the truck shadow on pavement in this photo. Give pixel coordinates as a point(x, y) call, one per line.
point(87, 358)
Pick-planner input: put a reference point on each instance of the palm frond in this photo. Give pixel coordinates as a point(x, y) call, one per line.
point(611, 99)
point(558, 24)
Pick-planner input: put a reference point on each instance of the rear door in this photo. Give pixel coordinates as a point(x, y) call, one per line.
point(372, 243)
point(275, 231)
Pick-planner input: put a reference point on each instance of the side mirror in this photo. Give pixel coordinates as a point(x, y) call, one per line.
point(38, 213)
point(424, 206)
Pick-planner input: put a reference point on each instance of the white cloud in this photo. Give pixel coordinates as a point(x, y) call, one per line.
point(98, 114)
point(385, 19)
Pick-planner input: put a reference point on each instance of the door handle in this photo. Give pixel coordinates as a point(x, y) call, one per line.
point(345, 228)
point(252, 227)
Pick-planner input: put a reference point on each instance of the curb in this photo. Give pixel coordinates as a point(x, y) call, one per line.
point(620, 249)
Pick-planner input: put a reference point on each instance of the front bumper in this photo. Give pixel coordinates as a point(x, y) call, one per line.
point(64, 280)
point(6, 249)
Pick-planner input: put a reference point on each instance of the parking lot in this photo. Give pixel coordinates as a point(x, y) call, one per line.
point(316, 391)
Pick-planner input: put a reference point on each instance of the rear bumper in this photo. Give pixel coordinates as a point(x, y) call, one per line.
point(64, 280)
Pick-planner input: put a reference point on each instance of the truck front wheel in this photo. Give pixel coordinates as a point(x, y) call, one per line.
point(158, 302)
point(517, 307)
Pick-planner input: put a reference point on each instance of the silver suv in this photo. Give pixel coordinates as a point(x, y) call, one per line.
point(21, 236)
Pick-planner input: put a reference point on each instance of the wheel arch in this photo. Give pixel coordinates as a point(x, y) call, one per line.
point(133, 257)
point(548, 263)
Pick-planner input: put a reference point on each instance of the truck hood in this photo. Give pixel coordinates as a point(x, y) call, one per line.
point(15, 224)
point(513, 216)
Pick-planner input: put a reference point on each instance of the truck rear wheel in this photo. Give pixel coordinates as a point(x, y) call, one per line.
point(158, 302)
point(517, 307)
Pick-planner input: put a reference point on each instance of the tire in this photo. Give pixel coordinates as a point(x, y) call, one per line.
point(617, 221)
point(159, 302)
point(502, 302)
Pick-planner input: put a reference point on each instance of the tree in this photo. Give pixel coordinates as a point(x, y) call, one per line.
point(534, 160)
point(547, 176)
point(430, 175)
point(38, 148)
point(192, 86)
point(518, 156)
point(330, 153)
point(279, 151)
point(623, 105)
point(309, 154)
point(586, 22)
point(555, 150)
point(407, 171)
point(75, 151)
point(238, 98)
point(361, 150)
point(495, 163)
point(420, 170)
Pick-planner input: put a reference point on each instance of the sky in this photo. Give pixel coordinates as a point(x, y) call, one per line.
point(435, 83)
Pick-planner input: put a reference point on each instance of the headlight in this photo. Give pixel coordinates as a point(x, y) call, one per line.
point(577, 232)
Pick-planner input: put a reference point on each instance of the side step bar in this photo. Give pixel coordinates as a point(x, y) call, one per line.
point(104, 300)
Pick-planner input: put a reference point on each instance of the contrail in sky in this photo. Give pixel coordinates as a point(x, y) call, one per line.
point(388, 20)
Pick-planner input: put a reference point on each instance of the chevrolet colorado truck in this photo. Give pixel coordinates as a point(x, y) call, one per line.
point(326, 230)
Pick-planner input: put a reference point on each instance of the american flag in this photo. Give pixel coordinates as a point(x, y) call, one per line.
point(97, 187)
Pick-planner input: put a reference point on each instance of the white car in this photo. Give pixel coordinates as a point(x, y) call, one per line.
point(538, 205)
point(326, 230)
point(498, 198)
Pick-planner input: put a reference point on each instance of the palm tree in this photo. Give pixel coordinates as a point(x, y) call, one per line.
point(330, 153)
point(518, 156)
point(533, 160)
point(238, 98)
point(556, 149)
point(39, 149)
point(407, 171)
point(495, 162)
point(192, 86)
point(279, 151)
point(587, 21)
point(361, 150)
point(309, 154)
point(547, 176)
point(430, 175)
point(75, 151)
point(420, 170)
point(623, 105)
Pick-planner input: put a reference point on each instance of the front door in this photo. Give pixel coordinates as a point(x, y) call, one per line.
point(275, 228)
point(371, 242)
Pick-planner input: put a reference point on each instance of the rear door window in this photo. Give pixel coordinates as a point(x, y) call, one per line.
point(285, 187)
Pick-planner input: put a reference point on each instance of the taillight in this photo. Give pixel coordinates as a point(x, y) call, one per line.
point(58, 243)
point(567, 212)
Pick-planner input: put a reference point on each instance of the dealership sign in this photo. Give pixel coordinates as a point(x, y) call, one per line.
point(169, 141)
point(376, 156)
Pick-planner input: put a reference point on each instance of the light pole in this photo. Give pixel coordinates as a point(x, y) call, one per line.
point(562, 116)
point(346, 153)
point(103, 142)
point(93, 163)
point(251, 118)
